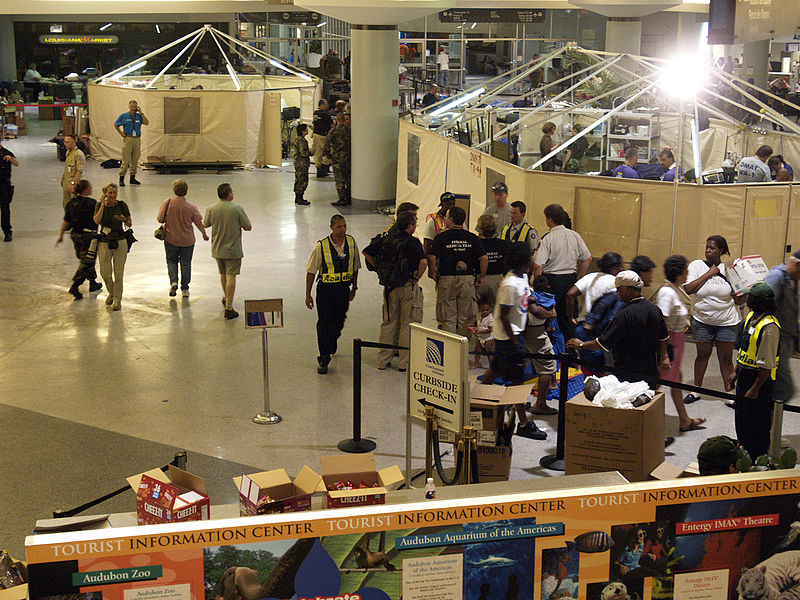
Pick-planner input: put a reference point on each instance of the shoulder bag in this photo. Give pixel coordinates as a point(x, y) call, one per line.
point(161, 232)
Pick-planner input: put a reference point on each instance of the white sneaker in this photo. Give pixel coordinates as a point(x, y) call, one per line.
point(185, 293)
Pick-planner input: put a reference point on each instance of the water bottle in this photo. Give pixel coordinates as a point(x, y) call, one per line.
point(430, 489)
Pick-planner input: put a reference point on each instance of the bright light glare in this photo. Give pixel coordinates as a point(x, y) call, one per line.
point(106, 26)
point(233, 77)
point(458, 102)
point(683, 77)
point(275, 63)
point(131, 69)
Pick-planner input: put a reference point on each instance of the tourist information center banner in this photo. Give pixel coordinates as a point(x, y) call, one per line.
point(700, 538)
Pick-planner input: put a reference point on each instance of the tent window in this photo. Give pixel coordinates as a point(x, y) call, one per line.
point(413, 158)
point(182, 115)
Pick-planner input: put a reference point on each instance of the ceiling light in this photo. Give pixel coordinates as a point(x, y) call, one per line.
point(131, 69)
point(321, 24)
point(106, 26)
point(458, 101)
point(158, 29)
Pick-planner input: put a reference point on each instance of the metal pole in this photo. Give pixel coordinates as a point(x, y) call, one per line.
point(429, 425)
point(555, 462)
point(267, 417)
point(356, 444)
point(675, 183)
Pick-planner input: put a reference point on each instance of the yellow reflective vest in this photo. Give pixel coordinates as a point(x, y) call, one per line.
point(522, 233)
point(751, 337)
point(438, 222)
point(332, 268)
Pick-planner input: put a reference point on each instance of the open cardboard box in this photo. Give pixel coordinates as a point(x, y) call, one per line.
point(744, 272)
point(162, 498)
point(273, 491)
point(491, 400)
point(357, 468)
point(18, 592)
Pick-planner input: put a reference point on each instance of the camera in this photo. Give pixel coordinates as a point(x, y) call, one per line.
point(113, 244)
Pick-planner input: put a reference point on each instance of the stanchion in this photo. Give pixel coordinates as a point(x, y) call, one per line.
point(267, 417)
point(356, 444)
point(430, 423)
point(469, 442)
point(555, 462)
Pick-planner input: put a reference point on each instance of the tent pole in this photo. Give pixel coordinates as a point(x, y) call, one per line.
point(750, 85)
point(599, 121)
point(170, 63)
point(231, 70)
point(151, 54)
point(191, 54)
point(677, 178)
point(736, 104)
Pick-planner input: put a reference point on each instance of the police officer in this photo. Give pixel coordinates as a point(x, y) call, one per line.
point(73, 169)
point(129, 125)
point(338, 149)
point(334, 263)
point(79, 220)
point(434, 222)
point(302, 160)
point(322, 126)
point(518, 230)
point(457, 256)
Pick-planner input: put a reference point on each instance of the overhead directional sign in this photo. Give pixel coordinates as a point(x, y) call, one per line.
point(438, 376)
point(294, 17)
point(492, 15)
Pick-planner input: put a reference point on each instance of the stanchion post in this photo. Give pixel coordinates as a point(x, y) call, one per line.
point(356, 444)
point(267, 417)
point(468, 439)
point(556, 461)
point(430, 423)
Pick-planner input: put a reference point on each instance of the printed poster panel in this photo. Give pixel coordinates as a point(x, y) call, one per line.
point(438, 376)
point(720, 538)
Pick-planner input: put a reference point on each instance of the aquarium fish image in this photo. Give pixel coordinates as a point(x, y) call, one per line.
point(493, 561)
point(592, 542)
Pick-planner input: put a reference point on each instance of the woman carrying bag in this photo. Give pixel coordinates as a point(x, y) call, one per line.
point(112, 215)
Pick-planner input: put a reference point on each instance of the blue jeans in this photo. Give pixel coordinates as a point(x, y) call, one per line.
point(182, 254)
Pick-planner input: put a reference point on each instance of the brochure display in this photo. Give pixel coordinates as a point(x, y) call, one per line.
point(715, 538)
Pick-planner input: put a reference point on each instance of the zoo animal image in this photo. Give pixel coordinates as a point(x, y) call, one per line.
point(241, 583)
point(615, 590)
point(776, 578)
point(366, 559)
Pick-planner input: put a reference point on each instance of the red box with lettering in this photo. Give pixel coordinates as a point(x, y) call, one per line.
point(169, 498)
point(271, 492)
point(357, 469)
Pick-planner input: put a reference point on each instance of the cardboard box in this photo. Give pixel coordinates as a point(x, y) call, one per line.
point(272, 492)
point(49, 113)
point(744, 272)
point(18, 592)
point(630, 441)
point(494, 463)
point(492, 400)
point(173, 498)
point(357, 468)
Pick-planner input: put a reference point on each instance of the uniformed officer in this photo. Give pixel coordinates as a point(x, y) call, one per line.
point(457, 256)
point(338, 149)
point(434, 222)
point(129, 125)
point(518, 230)
point(79, 220)
point(302, 160)
point(73, 169)
point(334, 263)
point(322, 126)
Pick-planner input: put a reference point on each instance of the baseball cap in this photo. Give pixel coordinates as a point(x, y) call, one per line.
point(500, 187)
point(796, 254)
point(717, 452)
point(447, 197)
point(760, 289)
point(628, 279)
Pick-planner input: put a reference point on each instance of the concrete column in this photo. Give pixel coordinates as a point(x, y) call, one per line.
point(624, 35)
point(755, 62)
point(8, 56)
point(373, 97)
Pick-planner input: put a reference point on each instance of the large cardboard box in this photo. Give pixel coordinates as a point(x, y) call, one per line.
point(49, 113)
point(494, 463)
point(162, 498)
point(273, 491)
point(492, 400)
point(357, 469)
point(630, 441)
point(744, 272)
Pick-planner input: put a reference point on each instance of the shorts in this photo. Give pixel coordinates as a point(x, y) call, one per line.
point(538, 342)
point(508, 360)
point(229, 266)
point(718, 333)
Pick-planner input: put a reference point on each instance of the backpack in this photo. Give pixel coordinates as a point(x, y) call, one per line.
point(392, 265)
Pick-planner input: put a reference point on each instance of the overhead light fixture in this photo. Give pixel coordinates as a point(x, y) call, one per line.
point(131, 69)
point(106, 26)
point(158, 29)
point(321, 24)
point(232, 73)
point(278, 65)
point(683, 76)
point(473, 26)
point(458, 102)
point(56, 28)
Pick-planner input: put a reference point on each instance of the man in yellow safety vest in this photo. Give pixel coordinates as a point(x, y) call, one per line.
point(518, 230)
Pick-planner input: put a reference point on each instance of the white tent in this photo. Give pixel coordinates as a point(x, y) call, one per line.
point(198, 117)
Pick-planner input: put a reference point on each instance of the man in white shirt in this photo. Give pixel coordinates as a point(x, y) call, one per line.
point(753, 169)
point(500, 209)
point(443, 63)
point(564, 257)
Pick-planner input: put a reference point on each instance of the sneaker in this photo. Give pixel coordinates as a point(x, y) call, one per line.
point(173, 289)
point(231, 314)
point(185, 293)
point(121, 182)
point(75, 292)
point(690, 398)
point(531, 431)
point(95, 286)
point(134, 181)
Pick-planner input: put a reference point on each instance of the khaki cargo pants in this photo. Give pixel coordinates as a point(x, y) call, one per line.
point(131, 148)
point(455, 303)
point(402, 306)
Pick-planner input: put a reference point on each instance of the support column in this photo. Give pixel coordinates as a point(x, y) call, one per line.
point(624, 35)
point(8, 56)
point(374, 114)
point(755, 62)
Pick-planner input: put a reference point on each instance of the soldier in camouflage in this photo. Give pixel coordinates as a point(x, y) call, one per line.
point(302, 160)
point(338, 149)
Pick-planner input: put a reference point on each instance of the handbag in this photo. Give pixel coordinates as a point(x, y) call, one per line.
point(128, 235)
point(161, 232)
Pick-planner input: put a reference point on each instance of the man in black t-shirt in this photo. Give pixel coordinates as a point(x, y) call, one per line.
point(79, 220)
point(7, 159)
point(432, 97)
point(322, 124)
point(456, 257)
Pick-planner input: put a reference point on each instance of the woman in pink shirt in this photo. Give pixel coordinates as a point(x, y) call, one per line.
point(179, 214)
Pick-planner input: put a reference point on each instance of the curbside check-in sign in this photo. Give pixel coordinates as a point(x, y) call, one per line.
point(437, 376)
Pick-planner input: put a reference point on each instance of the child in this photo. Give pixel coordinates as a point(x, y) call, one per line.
point(482, 329)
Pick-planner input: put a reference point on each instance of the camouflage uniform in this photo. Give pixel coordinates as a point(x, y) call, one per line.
point(338, 148)
point(302, 160)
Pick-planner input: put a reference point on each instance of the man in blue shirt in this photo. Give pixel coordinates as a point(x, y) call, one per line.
point(129, 126)
point(626, 169)
point(667, 160)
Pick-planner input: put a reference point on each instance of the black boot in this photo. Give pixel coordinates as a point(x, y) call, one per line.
point(95, 285)
point(122, 181)
point(133, 180)
point(75, 291)
point(298, 199)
